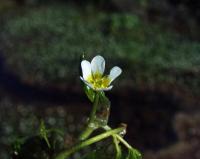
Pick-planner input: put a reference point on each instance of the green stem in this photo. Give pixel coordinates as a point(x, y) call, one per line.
point(91, 127)
point(107, 128)
point(123, 141)
point(94, 109)
point(66, 154)
point(118, 150)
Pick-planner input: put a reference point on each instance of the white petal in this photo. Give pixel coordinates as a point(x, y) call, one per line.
point(98, 65)
point(114, 73)
point(86, 69)
point(107, 89)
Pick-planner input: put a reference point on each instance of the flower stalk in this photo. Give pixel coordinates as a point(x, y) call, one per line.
point(91, 126)
point(118, 137)
point(94, 109)
point(66, 154)
point(117, 147)
point(96, 83)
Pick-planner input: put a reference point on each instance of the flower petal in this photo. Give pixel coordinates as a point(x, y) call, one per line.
point(98, 65)
point(107, 89)
point(86, 69)
point(87, 83)
point(114, 73)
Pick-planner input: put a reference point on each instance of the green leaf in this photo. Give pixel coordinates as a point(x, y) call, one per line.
point(44, 133)
point(133, 154)
point(89, 92)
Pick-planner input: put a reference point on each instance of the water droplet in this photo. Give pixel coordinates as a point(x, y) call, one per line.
point(123, 132)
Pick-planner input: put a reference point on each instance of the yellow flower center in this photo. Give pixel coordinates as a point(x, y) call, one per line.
point(98, 81)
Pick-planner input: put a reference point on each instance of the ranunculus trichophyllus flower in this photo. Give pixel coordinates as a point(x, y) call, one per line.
point(93, 74)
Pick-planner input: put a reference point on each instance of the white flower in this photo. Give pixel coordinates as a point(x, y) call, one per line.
point(93, 74)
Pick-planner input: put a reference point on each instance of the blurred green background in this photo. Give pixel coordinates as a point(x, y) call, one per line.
point(156, 43)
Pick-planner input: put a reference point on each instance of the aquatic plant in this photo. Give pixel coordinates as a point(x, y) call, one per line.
point(94, 84)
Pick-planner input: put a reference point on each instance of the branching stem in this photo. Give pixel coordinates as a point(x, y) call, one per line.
point(67, 153)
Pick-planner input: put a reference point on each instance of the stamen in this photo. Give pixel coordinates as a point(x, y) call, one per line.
point(98, 81)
